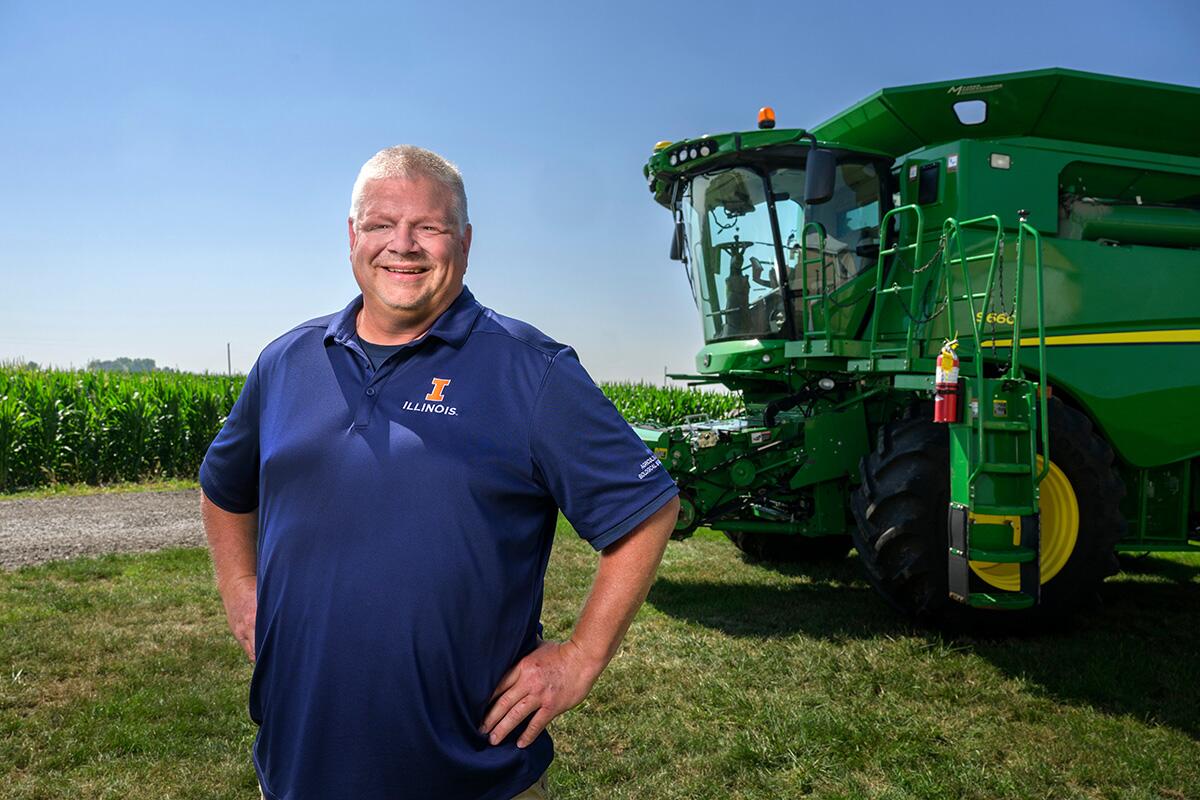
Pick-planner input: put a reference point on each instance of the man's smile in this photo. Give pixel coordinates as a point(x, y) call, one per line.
point(410, 271)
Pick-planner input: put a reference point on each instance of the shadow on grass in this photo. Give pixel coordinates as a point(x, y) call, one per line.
point(1137, 654)
point(834, 601)
point(1160, 568)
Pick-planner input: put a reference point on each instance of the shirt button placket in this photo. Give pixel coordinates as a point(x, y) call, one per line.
point(363, 418)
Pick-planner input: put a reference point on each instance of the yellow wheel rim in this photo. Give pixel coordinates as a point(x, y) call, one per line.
point(1060, 530)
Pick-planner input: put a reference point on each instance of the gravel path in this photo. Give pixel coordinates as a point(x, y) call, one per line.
point(33, 531)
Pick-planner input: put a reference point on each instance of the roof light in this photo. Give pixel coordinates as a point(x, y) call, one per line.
point(693, 151)
point(663, 145)
point(766, 117)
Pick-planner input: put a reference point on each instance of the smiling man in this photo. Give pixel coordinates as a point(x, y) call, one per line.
point(380, 507)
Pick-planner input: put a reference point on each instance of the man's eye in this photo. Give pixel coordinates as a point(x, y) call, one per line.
point(375, 226)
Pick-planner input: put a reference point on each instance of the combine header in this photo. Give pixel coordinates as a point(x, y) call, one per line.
point(964, 319)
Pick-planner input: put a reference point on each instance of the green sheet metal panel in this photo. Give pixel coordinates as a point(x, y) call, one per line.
point(872, 120)
point(1050, 103)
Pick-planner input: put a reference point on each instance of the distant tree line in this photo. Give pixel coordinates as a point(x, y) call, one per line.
point(124, 364)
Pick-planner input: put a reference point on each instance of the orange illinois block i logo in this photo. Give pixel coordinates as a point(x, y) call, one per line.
point(439, 386)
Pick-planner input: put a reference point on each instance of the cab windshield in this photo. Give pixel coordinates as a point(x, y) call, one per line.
point(733, 251)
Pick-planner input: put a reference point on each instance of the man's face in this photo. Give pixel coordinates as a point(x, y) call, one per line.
point(408, 255)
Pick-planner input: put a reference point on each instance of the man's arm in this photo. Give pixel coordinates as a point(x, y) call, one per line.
point(232, 542)
point(558, 675)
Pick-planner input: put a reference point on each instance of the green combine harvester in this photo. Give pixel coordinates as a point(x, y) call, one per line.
point(1015, 256)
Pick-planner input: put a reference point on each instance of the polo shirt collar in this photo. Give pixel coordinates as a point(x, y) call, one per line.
point(452, 327)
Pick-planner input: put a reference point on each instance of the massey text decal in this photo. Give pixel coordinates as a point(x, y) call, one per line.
point(974, 88)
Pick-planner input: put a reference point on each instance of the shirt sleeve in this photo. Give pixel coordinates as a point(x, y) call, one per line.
point(229, 472)
point(603, 477)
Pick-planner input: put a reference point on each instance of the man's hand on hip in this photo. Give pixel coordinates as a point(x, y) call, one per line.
point(552, 679)
point(241, 608)
point(556, 676)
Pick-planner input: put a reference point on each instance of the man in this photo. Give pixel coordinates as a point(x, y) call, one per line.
point(758, 273)
point(737, 290)
point(380, 506)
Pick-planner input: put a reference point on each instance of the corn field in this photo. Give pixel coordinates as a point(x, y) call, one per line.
point(664, 405)
point(106, 427)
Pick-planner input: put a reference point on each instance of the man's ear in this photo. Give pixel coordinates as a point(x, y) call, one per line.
point(353, 233)
point(466, 240)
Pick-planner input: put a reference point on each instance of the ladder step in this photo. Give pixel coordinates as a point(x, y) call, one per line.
point(889, 350)
point(1014, 555)
point(1005, 469)
point(1004, 425)
point(959, 261)
point(1008, 601)
point(1003, 511)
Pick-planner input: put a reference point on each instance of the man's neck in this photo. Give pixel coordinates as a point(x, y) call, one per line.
point(369, 329)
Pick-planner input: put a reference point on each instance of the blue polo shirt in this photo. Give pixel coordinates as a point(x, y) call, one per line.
point(405, 518)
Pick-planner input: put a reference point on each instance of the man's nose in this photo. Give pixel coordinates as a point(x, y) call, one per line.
point(403, 240)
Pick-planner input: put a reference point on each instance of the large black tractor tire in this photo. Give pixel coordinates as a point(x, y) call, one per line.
point(784, 548)
point(901, 511)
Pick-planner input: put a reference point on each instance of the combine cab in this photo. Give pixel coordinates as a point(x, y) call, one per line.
point(964, 320)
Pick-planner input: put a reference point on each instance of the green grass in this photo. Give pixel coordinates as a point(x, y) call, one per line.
point(119, 680)
point(81, 489)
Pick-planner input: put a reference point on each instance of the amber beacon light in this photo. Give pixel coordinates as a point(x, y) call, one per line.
point(766, 117)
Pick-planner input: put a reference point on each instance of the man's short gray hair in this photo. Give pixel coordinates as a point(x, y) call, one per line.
point(410, 161)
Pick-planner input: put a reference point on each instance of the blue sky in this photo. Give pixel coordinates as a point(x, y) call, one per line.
point(176, 176)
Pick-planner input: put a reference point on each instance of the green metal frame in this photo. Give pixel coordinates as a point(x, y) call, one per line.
point(953, 241)
point(915, 247)
point(807, 297)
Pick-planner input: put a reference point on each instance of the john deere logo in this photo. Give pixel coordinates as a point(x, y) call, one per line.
point(434, 400)
point(439, 386)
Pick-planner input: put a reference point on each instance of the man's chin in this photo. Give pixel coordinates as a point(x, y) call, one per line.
point(415, 303)
point(407, 304)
